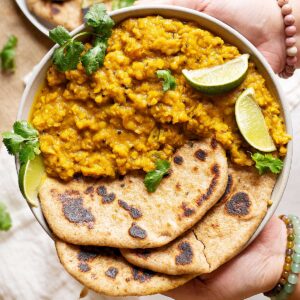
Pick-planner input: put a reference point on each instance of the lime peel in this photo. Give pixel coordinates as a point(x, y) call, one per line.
point(219, 79)
point(251, 122)
point(31, 176)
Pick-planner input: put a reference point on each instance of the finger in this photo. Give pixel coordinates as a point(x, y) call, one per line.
point(193, 4)
point(193, 290)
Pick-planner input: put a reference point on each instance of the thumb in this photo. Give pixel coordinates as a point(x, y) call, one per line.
point(273, 59)
point(193, 4)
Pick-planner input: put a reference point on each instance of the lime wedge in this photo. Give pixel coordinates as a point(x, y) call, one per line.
point(219, 79)
point(31, 176)
point(251, 122)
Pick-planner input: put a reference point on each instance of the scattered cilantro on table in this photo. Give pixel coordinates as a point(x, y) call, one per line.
point(8, 54)
point(153, 178)
point(265, 162)
point(98, 24)
point(169, 82)
point(117, 4)
point(23, 141)
point(5, 219)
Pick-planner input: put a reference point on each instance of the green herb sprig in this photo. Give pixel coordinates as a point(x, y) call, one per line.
point(267, 162)
point(5, 219)
point(99, 24)
point(23, 141)
point(8, 54)
point(117, 4)
point(153, 178)
point(169, 82)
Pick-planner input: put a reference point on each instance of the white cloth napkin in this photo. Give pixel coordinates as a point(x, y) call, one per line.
point(29, 267)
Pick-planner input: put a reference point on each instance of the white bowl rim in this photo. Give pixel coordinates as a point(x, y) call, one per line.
point(160, 9)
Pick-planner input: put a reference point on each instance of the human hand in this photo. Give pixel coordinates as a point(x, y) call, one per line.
point(259, 21)
point(255, 270)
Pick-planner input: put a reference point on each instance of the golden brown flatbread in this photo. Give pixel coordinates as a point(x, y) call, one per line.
point(220, 235)
point(122, 214)
point(66, 13)
point(105, 271)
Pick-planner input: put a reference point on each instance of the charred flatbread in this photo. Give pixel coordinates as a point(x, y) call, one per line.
point(220, 235)
point(105, 271)
point(122, 214)
point(65, 13)
point(68, 13)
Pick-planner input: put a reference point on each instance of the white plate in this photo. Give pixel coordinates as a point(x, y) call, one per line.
point(207, 22)
point(41, 25)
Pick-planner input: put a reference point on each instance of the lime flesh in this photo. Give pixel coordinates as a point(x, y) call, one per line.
point(219, 79)
point(31, 176)
point(251, 122)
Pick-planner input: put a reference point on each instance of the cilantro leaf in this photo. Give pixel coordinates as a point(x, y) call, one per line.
point(265, 162)
point(8, 54)
point(169, 82)
point(67, 57)
point(25, 129)
point(59, 35)
point(12, 142)
point(117, 4)
point(98, 18)
point(153, 178)
point(23, 141)
point(93, 59)
point(5, 219)
point(29, 151)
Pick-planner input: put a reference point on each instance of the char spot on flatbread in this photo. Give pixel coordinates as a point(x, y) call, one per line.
point(191, 144)
point(83, 267)
point(137, 232)
point(201, 154)
point(73, 209)
point(227, 190)
point(101, 190)
point(106, 198)
point(178, 186)
point(178, 160)
point(214, 143)
point(215, 169)
point(186, 255)
point(112, 272)
point(89, 190)
point(141, 275)
point(187, 212)
point(195, 169)
point(55, 10)
point(134, 212)
point(87, 253)
point(143, 253)
point(239, 204)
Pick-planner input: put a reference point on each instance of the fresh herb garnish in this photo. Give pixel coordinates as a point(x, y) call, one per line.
point(23, 141)
point(117, 4)
point(68, 55)
point(8, 54)
point(153, 178)
point(5, 219)
point(169, 82)
point(265, 162)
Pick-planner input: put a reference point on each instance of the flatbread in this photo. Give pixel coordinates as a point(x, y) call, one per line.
point(121, 213)
point(105, 271)
point(219, 236)
point(66, 13)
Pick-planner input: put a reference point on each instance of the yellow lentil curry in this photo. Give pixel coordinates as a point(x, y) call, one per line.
point(119, 119)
